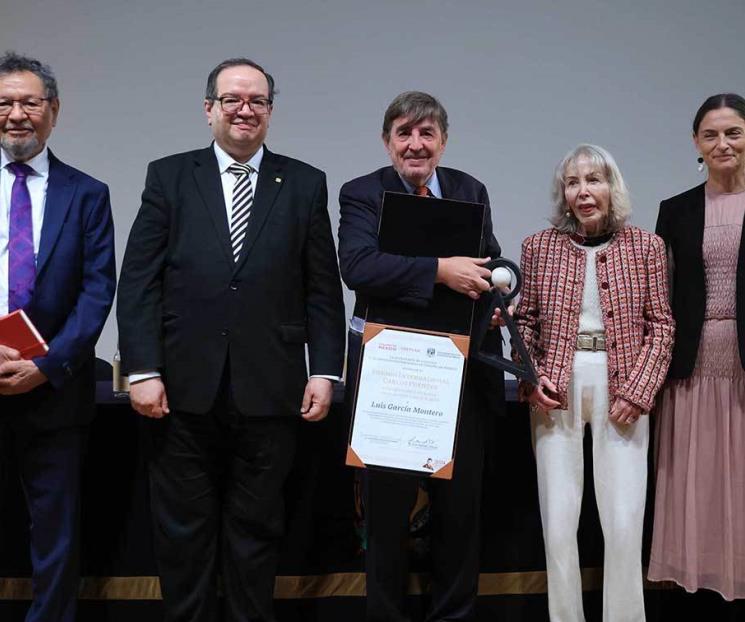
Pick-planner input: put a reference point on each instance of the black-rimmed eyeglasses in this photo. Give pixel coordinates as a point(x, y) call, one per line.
point(231, 104)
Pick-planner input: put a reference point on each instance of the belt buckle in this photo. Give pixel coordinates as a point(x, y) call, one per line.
point(585, 342)
point(590, 343)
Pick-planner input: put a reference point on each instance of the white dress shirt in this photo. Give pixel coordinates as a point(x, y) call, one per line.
point(37, 188)
point(224, 161)
point(432, 183)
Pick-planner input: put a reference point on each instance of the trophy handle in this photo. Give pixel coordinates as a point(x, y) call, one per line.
point(498, 299)
point(517, 285)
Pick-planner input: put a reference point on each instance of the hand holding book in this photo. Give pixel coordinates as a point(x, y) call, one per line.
point(19, 338)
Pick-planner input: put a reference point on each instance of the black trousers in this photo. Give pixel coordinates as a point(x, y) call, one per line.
point(216, 482)
point(455, 508)
point(49, 463)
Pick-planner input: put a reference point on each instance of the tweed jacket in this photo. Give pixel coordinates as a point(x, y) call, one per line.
point(639, 326)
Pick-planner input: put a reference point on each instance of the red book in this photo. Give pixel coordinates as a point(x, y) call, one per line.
point(19, 333)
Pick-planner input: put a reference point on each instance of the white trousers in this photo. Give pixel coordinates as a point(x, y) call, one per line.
point(619, 456)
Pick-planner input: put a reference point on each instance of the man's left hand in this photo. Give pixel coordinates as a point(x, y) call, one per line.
point(317, 399)
point(19, 377)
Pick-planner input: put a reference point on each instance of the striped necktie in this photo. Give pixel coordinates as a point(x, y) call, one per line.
point(243, 198)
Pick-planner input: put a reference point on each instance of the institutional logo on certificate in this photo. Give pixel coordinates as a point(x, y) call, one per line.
point(406, 413)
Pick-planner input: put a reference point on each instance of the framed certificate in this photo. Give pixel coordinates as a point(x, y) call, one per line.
point(413, 361)
point(408, 399)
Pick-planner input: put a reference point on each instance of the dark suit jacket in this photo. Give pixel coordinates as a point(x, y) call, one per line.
point(681, 224)
point(73, 292)
point(184, 307)
point(408, 280)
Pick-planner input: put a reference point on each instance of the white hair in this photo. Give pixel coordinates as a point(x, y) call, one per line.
point(619, 209)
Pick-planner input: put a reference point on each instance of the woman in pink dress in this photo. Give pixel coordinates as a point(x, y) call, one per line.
point(699, 522)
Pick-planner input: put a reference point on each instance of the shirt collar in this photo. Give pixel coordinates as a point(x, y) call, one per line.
point(40, 162)
point(432, 183)
point(224, 160)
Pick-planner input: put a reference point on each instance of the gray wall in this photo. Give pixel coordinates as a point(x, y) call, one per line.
point(522, 82)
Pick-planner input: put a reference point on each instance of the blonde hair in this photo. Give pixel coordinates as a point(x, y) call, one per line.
point(619, 209)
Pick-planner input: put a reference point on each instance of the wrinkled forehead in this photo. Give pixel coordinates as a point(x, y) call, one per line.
point(406, 124)
point(21, 82)
point(721, 118)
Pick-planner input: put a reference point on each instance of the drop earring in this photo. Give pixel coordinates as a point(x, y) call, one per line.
point(700, 161)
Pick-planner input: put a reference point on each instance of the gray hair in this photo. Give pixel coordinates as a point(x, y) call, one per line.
point(211, 90)
point(415, 106)
point(12, 62)
point(619, 209)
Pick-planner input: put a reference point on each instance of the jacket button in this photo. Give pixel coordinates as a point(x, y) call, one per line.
point(234, 286)
point(602, 258)
point(604, 285)
point(609, 314)
point(224, 332)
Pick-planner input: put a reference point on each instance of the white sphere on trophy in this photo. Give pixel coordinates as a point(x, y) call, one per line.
point(501, 278)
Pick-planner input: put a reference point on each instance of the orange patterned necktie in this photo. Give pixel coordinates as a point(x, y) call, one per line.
point(422, 191)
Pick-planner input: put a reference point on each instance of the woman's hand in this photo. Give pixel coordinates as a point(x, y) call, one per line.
point(624, 412)
point(497, 319)
point(543, 396)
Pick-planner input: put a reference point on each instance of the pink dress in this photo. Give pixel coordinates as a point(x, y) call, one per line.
point(699, 520)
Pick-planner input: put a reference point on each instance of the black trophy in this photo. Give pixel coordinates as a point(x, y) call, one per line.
point(497, 298)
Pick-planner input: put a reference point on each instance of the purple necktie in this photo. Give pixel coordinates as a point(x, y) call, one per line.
point(21, 264)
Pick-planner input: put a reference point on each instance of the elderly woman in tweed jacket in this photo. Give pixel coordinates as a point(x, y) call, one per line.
point(595, 317)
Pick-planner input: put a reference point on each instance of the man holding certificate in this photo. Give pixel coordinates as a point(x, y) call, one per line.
point(415, 134)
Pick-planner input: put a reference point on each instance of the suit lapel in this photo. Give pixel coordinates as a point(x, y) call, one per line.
point(697, 222)
point(448, 185)
point(207, 178)
point(270, 181)
point(391, 181)
point(60, 191)
point(740, 293)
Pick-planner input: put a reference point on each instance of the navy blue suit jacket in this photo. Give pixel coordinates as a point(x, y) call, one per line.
point(73, 293)
point(371, 273)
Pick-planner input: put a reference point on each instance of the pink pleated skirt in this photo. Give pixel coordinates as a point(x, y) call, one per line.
point(699, 520)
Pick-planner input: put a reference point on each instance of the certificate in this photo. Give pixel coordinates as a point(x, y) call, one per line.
point(408, 398)
point(411, 372)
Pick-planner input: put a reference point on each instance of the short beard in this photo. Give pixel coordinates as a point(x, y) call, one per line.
point(21, 151)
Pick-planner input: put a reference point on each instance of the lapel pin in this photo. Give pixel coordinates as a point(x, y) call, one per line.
point(278, 180)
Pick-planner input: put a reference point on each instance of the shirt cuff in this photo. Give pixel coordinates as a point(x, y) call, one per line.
point(139, 376)
point(332, 378)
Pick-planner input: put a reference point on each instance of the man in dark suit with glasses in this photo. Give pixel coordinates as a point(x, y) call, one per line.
point(229, 271)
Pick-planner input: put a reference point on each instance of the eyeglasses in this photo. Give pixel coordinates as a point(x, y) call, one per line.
point(231, 104)
point(30, 105)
